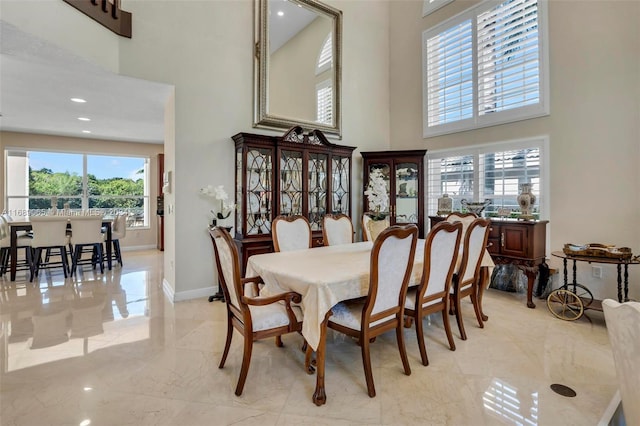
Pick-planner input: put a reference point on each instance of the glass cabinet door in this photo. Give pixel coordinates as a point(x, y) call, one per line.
point(340, 185)
point(406, 192)
point(290, 182)
point(259, 193)
point(317, 189)
point(385, 170)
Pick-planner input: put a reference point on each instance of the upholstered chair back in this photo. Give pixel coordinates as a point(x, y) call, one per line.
point(623, 327)
point(291, 233)
point(49, 231)
point(465, 218)
point(440, 255)
point(228, 266)
point(475, 242)
point(372, 228)
point(86, 229)
point(119, 227)
point(391, 264)
point(337, 229)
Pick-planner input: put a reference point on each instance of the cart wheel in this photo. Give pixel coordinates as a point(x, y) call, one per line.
point(565, 305)
point(583, 293)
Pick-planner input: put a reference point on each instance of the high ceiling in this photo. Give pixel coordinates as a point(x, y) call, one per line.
point(38, 79)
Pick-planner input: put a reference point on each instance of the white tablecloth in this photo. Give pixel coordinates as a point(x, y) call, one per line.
point(324, 276)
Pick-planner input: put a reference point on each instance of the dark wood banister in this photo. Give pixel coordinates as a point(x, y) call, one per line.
point(113, 18)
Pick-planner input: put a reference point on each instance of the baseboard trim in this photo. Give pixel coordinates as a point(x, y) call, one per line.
point(138, 248)
point(185, 295)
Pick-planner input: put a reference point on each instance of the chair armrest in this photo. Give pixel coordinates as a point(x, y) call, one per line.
point(287, 298)
point(252, 280)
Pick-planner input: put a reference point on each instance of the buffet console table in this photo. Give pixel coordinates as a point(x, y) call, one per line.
point(518, 242)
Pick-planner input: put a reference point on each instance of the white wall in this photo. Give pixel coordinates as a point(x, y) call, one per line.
point(594, 126)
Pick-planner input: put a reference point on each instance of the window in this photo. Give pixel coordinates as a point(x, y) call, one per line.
point(325, 57)
point(324, 93)
point(494, 171)
point(39, 180)
point(485, 66)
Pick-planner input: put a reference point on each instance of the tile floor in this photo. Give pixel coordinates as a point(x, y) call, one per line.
point(111, 350)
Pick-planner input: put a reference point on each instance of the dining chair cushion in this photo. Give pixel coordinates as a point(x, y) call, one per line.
point(225, 256)
point(350, 315)
point(476, 242)
point(271, 316)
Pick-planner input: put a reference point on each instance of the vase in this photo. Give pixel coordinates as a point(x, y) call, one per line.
point(526, 200)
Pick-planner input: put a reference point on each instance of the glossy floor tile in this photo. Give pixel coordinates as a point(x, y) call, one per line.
point(111, 350)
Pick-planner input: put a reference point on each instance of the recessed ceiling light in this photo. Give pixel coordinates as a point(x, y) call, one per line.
point(280, 13)
point(84, 119)
point(78, 100)
point(86, 131)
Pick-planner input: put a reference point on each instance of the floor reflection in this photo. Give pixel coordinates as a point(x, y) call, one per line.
point(504, 401)
point(62, 318)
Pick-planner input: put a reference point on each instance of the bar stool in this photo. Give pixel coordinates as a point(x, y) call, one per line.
point(23, 242)
point(86, 231)
point(49, 233)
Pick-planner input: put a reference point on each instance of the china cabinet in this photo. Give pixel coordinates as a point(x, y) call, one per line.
point(404, 173)
point(294, 174)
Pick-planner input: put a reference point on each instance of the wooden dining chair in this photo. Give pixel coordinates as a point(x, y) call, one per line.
point(432, 294)
point(383, 308)
point(372, 228)
point(291, 233)
point(254, 317)
point(465, 279)
point(337, 229)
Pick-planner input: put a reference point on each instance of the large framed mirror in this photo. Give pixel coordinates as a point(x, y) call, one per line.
point(298, 65)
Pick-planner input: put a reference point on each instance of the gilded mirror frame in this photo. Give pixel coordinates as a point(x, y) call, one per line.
point(262, 117)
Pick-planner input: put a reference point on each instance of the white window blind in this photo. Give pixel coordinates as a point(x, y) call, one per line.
point(324, 93)
point(485, 66)
point(508, 65)
point(449, 75)
point(325, 57)
point(493, 171)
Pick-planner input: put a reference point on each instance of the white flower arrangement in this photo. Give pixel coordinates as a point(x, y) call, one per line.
point(221, 195)
point(377, 192)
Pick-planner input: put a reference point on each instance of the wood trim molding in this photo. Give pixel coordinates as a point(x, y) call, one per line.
point(107, 13)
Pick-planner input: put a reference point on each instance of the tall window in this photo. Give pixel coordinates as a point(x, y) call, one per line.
point(39, 180)
point(324, 93)
point(486, 66)
point(493, 171)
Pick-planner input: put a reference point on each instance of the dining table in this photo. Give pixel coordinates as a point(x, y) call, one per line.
point(25, 225)
point(325, 276)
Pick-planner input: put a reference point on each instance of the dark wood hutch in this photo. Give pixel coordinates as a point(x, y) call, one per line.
point(404, 173)
point(293, 174)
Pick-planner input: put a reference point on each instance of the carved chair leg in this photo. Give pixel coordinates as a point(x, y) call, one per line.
point(246, 359)
point(403, 349)
point(421, 344)
point(447, 329)
point(476, 308)
point(458, 312)
point(279, 341)
point(227, 345)
point(366, 362)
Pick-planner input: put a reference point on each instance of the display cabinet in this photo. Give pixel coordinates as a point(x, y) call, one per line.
point(294, 174)
point(404, 173)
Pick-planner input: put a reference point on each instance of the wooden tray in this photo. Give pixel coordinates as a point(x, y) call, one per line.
point(598, 250)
